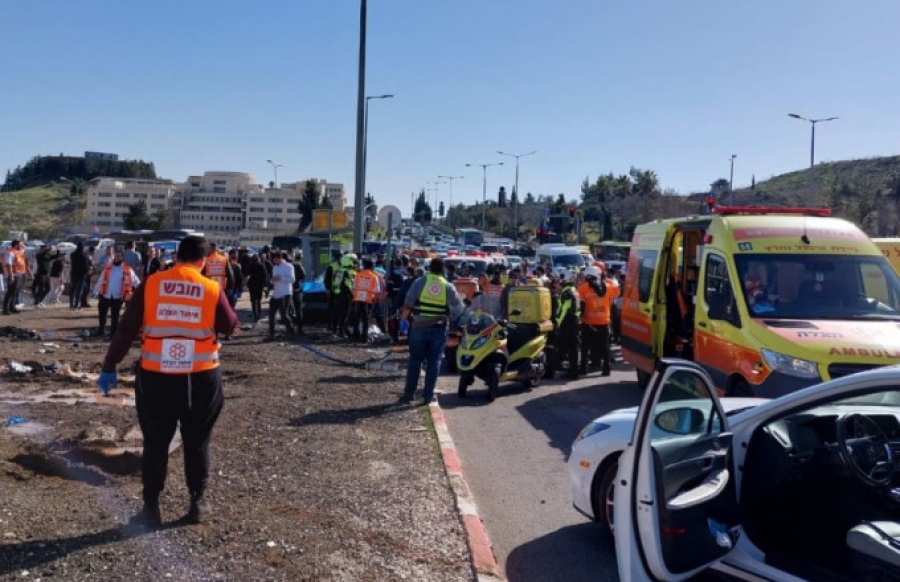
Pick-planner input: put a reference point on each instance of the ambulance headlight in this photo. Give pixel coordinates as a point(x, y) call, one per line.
point(790, 365)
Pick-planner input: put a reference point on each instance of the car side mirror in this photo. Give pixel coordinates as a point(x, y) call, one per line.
point(680, 421)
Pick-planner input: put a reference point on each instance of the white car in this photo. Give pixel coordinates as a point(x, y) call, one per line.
point(803, 487)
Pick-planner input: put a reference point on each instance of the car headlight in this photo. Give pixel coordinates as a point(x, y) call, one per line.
point(591, 429)
point(479, 342)
point(790, 365)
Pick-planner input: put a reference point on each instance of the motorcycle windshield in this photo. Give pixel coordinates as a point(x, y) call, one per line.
point(478, 323)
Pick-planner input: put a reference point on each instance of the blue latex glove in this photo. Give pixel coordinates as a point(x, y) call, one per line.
point(107, 381)
point(404, 327)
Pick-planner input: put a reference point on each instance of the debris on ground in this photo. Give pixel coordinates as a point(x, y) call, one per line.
point(17, 333)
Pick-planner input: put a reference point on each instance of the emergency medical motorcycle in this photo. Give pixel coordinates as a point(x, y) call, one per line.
point(500, 351)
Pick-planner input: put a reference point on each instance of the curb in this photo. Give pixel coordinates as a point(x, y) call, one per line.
point(483, 560)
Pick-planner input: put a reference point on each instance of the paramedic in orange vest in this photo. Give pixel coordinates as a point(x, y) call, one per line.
point(15, 267)
point(367, 290)
point(597, 292)
point(217, 268)
point(177, 313)
point(115, 286)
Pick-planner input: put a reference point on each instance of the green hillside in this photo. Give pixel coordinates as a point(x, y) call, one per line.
point(40, 211)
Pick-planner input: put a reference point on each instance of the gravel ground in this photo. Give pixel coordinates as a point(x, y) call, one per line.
point(317, 474)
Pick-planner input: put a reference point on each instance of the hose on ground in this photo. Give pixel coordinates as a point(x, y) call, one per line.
point(330, 358)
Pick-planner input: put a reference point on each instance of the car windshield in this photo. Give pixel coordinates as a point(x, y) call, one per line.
point(573, 260)
point(794, 286)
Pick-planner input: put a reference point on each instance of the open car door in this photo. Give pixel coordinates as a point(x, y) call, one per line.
point(675, 504)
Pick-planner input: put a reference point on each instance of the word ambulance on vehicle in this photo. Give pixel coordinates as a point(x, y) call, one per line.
point(766, 300)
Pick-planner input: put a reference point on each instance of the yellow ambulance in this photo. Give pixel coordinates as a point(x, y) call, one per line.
point(767, 300)
point(891, 249)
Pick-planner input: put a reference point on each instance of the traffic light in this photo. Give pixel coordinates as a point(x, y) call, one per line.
point(441, 210)
point(710, 202)
point(571, 212)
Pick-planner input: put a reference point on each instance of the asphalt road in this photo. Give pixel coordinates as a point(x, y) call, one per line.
point(514, 453)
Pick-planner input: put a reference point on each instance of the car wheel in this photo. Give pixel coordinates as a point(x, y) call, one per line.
point(740, 388)
point(603, 495)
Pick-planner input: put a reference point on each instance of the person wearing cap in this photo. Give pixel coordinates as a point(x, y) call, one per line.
point(330, 272)
point(434, 305)
point(597, 292)
point(342, 287)
point(567, 339)
point(177, 313)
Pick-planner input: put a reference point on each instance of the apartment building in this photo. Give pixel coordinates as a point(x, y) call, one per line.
point(333, 190)
point(215, 204)
point(108, 199)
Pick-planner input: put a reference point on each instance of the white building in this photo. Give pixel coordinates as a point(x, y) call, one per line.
point(333, 190)
point(215, 204)
point(108, 199)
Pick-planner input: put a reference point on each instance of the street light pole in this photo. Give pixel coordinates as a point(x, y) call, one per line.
point(359, 198)
point(450, 193)
point(366, 137)
point(731, 182)
point(275, 167)
point(484, 168)
point(812, 144)
point(436, 188)
point(516, 203)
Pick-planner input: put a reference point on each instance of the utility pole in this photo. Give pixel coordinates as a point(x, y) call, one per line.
point(450, 193)
point(516, 202)
point(484, 168)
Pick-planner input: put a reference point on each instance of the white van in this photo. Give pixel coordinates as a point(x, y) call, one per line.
point(559, 255)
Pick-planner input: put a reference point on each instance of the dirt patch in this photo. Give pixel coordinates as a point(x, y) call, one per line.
point(317, 473)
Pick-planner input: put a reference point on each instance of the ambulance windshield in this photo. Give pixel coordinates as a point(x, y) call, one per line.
point(795, 286)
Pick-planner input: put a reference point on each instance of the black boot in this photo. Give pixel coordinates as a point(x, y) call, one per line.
point(197, 511)
point(148, 516)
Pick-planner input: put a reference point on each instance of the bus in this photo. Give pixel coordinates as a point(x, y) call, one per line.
point(610, 250)
point(469, 236)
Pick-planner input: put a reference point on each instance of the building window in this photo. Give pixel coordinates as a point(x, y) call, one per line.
point(276, 200)
point(104, 194)
point(219, 189)
point(219, 182)
point(139, 196)
point(122, 205)
point(257, 209)
point(158, 196)
point(104, 204)
point(123, 195)
point(103, 214)
point(257, 199)
point(275, 210)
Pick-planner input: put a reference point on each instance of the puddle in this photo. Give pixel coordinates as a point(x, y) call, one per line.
point(71, 396)
point(27, 429)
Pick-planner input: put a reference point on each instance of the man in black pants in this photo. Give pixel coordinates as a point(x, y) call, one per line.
point(179, 382)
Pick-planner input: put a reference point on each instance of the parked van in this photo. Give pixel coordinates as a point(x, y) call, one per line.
point(890, 247)
point(766, 300)
point(559, 255)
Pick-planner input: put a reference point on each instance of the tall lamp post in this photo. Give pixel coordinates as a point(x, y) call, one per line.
point(731, 182)
point(275, 167)
point(437, 184)
point(484, 168)
point(366, 134)
point(812, 144)
point(516, 204)
point(359, 196)
point(450, 193)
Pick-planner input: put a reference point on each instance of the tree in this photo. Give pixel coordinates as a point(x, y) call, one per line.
point(161, 219)
point(501, 197)
point(137, 217)
point(529, 198)
point(514, 198)
point(753, 182)
point(421, 209)
point(309, 202)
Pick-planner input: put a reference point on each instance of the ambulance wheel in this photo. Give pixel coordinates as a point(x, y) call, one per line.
point(462, 388)
point(740, 388)
point(643, 379)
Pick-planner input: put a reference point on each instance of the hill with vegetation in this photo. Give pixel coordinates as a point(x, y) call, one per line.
point(40, 170)
point(40, 211)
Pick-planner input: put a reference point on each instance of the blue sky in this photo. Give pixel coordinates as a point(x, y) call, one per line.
point(594, 85)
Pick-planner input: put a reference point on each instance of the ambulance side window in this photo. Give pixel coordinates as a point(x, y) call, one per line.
point(646, 270)
point(718, 291)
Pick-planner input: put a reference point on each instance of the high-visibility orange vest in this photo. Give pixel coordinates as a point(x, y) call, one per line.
point(596, 308)
point(19, 263)
point(217, 268)
point(179, 333)
point(365, 287)
point(127, 287)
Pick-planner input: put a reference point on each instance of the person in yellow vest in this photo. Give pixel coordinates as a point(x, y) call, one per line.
point(597, 292)
point(367, 290)
point(114, 287)
point(565, 324)
point(434, 304)
point(342, 287)
point(15, 267)
point(217, 267)
point(177, 313)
